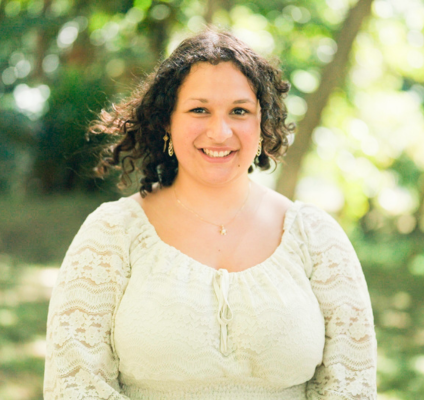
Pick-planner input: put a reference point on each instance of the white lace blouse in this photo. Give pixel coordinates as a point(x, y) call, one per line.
point(134, 318)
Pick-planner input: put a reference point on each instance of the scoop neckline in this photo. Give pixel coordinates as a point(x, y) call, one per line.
point(288, 219)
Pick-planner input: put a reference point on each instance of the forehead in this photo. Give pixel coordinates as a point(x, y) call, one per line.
point(207, 78)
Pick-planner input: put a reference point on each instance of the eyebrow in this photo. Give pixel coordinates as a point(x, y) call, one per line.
point(240, 101)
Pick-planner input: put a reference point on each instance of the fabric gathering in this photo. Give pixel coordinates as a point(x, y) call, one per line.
point(256, 334)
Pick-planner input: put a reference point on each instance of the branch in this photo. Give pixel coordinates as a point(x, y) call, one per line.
point(211, 6)
point(332, 76)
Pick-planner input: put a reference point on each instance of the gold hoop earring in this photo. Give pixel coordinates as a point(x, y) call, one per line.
point(258, 153)
point(171, 148)
point(165, 139)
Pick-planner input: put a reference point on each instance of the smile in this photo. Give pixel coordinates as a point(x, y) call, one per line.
point(216, 154)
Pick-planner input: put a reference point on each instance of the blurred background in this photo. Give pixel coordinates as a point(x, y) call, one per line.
point(357, 75)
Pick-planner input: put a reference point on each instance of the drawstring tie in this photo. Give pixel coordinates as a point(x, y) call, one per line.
point(221, 286)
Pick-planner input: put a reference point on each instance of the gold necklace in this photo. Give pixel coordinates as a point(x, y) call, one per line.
point(222, 229)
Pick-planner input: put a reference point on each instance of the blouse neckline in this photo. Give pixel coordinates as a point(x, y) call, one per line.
point(289, 217)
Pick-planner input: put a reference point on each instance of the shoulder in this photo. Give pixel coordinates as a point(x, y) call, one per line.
point(273, 201)
point(277, 199)
point(269, 208)
point(316, 219)
point(114, 214)
point(100, 249)
point(321, 230)
point(314, 225)
point(324, 243)
point(153, 199)
point(107, 225)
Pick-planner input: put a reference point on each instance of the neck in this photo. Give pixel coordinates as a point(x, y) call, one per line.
point(218, 203)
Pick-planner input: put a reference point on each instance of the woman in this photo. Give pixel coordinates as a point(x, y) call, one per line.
point(205, 285)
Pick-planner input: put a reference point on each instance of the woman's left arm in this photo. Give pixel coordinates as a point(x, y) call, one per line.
point(348, 370)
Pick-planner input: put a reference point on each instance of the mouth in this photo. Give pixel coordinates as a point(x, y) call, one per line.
point(217, 154)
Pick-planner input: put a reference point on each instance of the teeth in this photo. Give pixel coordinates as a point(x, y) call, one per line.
point(216, 153)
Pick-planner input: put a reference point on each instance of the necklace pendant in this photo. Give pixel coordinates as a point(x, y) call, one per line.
point(223, 231)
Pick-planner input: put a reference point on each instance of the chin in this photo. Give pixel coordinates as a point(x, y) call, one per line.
point(215, 175)
point(221, 178)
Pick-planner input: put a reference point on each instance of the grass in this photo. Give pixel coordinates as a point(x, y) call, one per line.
point(34, 237)
point(35, 234)
point(40, 230)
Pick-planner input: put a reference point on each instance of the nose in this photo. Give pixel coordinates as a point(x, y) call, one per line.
point(219, 129)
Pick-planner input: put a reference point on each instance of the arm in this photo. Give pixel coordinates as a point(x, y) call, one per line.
point(349, 362)
point(81, 362)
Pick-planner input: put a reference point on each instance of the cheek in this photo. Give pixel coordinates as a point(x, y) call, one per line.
point(185, 130)
point(184, 136)
point(194, 128)
point(251, 134)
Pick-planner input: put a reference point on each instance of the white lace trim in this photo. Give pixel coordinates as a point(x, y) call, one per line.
point(82, 362)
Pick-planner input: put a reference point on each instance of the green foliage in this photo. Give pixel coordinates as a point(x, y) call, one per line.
point(407, 170)
point(40, 230)
point(61, 62)
point(65, 159)
point(143, 4)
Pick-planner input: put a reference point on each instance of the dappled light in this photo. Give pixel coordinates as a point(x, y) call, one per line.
point(358, 152)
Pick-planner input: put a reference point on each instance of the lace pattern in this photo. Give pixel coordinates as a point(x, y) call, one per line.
point(80, 361)
point(85, 359)
point(348, 370)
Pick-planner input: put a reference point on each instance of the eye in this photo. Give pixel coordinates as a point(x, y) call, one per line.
point(198, 110)
point(240, 111)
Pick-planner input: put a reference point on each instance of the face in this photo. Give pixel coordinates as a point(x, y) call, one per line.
point(215, 127)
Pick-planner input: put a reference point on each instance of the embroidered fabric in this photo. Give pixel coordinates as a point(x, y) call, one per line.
point(134, 318)
point(225, 315)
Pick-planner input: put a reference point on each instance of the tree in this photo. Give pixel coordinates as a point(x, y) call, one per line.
point(332, 75)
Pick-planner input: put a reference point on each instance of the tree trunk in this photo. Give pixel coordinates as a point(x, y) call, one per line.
point(214, 5)
point(42, 43)
point(333, 74)
point(211, 6)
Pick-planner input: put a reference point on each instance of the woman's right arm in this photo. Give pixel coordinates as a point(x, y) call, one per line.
point(81, 362)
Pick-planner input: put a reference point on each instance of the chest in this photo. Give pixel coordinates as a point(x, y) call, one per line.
point(247, 242)
point(181, 321)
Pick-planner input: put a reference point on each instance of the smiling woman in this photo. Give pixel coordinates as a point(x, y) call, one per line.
point(143, 120)
point(204, 285)
point(216, 124)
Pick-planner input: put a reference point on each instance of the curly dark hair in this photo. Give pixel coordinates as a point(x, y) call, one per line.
point(141, 120)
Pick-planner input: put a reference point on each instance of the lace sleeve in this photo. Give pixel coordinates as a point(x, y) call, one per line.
point(80, 360)
point(348, 369)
